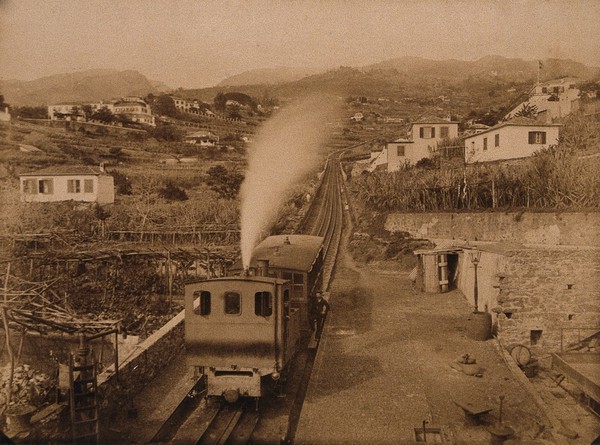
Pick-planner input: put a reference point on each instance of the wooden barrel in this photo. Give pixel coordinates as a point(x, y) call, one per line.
point(479, 326)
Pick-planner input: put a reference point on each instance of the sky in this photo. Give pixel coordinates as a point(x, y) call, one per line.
point(196, 44)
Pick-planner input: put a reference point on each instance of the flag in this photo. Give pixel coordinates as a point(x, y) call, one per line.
point(540, 64)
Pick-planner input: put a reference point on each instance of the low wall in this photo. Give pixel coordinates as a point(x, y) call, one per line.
point(569, 228)
point(146, 361)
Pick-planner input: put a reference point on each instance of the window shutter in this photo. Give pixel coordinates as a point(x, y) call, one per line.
point(432, 132)
point(532, 137)
point(543, 137)
point(70, 188)
point(421, 132)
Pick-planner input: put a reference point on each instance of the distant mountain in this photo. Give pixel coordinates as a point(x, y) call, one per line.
point(268, 76)
point(83, 86)
point(495, 66)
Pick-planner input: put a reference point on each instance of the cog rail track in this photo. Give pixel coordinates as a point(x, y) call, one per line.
point(205, 423)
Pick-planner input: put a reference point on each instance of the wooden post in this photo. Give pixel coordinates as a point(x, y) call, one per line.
point(494, 203)
point(169, 277)
point(9, 349)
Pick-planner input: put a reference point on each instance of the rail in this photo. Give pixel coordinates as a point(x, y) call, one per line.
point(580, 341)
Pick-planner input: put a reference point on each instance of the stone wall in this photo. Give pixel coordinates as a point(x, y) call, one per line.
point(539, 273)
point(554, 291)
point(575, 229)
point(145, 362)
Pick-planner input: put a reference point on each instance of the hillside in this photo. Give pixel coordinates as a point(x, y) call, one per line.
point(268, 76)
point(455, 86)
point(516, 70)
point(82, 86)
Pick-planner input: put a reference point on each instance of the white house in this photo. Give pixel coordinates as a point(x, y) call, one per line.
point(357, 117)
point(136, 109)
point(65, 183)
point(66, 111)
point(400, 153)
point(424, 136)
point(553, 99)
point(517, 138)
point(4, 115)
point(202, 138)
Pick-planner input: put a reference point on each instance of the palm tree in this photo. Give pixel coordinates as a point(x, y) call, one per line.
point(527, 110)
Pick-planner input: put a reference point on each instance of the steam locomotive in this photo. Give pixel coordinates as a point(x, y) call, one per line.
point(242, 329)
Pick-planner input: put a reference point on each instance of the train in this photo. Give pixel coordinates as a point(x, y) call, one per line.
point(243, 330)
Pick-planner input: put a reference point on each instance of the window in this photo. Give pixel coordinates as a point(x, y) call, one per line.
point(537, 137)
point(427, 132)
point(485, 143)
point(233, 303)
point(444, 132)
point(400, 149)
point(46, 186)
point(298, 289)
point(88, 185)
point(30, 186)
point(535, 336)
point(497, 140)
point(202, 307)
point(73, 186)
point(544, 90)
point(263, 304)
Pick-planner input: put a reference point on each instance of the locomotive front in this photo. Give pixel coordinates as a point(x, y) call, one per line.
point(239, 330)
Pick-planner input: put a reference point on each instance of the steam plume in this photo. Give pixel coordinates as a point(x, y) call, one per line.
point(286, 148)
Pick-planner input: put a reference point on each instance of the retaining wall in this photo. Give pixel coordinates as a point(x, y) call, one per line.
point(568, 228)
point(145, 362)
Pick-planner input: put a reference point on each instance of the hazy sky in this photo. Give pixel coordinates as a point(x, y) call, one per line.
point(198, 43)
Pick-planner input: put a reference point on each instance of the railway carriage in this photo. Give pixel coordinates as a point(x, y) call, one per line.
point(242, 329)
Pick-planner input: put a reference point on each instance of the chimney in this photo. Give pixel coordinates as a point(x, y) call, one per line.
point(262, 268)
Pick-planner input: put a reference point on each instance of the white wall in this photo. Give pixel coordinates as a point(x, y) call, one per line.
point(103, 189)
point(514, 143)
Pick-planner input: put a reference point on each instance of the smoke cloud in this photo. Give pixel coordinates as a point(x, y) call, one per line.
point(285, 149)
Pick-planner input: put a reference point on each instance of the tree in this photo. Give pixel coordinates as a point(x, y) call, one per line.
point(123, 118)
point(104, 115)
point(122, 183)
point(234, 111)
point(225, 183)
point(167, 133)
point(220, 102)
point(88, 111)
point(527, 110)
point(164, 105)
point(31, 112)
point(171, 192)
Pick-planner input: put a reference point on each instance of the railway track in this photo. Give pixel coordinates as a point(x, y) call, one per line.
point(325, 218)
point(201, 422)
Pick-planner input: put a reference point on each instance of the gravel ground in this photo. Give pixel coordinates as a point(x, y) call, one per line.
point(388, 362)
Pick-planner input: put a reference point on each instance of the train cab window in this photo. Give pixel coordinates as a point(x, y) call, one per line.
point(263, 304)
point(233, 303)
point(287, 276)
point(202, 302)
point(298, 289)
point(286, 302)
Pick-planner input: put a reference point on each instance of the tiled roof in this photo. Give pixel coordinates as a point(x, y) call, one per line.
point(66, 170)
point(517, 122)
point(433, 120)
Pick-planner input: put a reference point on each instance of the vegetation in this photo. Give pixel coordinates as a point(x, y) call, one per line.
point(31, 112)
point(225, 182)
